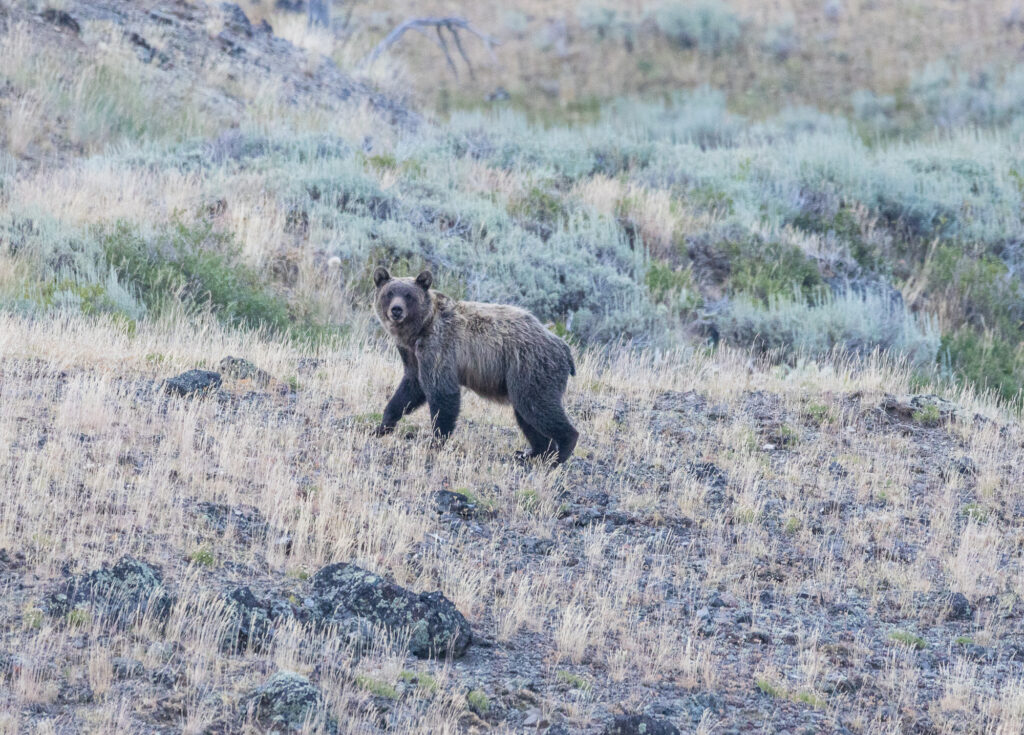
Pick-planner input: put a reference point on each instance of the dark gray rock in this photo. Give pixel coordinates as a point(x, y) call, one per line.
point(288, 702)
point(193, 382)
point(447, 501)
point(927, 410)
point(640, 725)
point(963, 466)
point(235, 20)
point(127, 668)
point(10, 561)
point(536, 545)
point(250, 622)
point(709, 473)
point(123, 593)
point(839, 683)
point(244, 521)
point(435, 626)
point(62, 19)
point(958, 607)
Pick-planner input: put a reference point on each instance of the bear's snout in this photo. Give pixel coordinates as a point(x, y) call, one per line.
point(397, 312)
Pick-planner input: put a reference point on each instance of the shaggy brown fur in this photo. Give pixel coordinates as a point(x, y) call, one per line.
point(500, 352)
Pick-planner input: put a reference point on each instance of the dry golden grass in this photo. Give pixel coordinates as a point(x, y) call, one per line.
point(95, 465)
point(546, 58)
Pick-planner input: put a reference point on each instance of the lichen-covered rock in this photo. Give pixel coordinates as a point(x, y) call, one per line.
point(193, 382)
point(126, 668)
point(435, 627)
point(250, 622)
point(454, 503)
point(928, 410)
point(640, 725)
point(241, 369)
point(123, 593)
point(289, 702)
point(245, 522)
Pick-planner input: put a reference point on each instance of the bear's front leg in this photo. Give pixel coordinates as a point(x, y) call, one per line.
point(439, 379)
point(444, 411)
point(408, 397)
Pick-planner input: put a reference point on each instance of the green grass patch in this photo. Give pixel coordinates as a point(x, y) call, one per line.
point(810, 698)
point(908, 639)
point(975, 512)
point(767, 270)
point(817, 413)
point(927, 415)
point(671, 287)
point(985, 360)
point(376, 687)
point(528, 500)
point(574, 680)
point(539, 205)
point(203, 556)
point(78, 617)
point(768, 687)
point(201, 268)
point(32, 618)
point(478, 702)
point(424, 681)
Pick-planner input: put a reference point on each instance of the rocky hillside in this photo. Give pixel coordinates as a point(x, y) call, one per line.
point(795, 504)
point(733, 546)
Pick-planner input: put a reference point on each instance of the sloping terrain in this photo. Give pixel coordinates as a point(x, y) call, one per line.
point(795, 301)
point(731, 549)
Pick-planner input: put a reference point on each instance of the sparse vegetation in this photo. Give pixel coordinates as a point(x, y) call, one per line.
point(782, 241)
point(909, 639)
point(478, 702)
point(376, 687)
point(203, 557)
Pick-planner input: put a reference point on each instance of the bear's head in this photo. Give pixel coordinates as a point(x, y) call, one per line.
point(404, 305)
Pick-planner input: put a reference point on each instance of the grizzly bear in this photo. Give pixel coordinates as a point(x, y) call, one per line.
point(500, 352)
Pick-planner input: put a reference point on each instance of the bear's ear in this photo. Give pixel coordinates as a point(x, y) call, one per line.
point(424, 279)
point(380, 276)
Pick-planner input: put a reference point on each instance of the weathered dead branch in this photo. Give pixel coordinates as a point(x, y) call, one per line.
point(452, 24)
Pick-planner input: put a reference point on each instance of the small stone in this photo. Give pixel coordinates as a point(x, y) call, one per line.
point(62, 19)
point(289, 702)
point(837, 470)
point(759, 636)
point(535, 545)
point(127, 668)
point(447, 501)
point(640, 725)
point(235, 20)
point(958, 607)
point(837, 683)
point(193, 382)
point(241, 369)
point(534, 718)
point(708, 472)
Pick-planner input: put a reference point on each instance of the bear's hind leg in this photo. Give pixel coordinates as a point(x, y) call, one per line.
point(548, 418)
point(539, 444)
